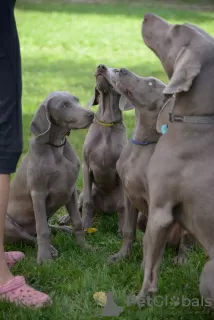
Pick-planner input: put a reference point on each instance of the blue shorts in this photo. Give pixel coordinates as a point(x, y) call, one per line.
point(10, 91)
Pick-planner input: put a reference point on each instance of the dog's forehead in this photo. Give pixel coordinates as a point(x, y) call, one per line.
point(156, 81)
point(135, 77)
point(62, 96)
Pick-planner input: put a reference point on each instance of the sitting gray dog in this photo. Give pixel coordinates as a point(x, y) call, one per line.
point(146, 94)
point(102, 188)
point(46, 178)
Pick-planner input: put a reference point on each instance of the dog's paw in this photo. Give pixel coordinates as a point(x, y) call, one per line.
point(44, 256)
point(120, 255)
point(54, 252)
point(180, 259)
point(114, 258)
point(81, 242)
point(87, 246)
point(64, 220)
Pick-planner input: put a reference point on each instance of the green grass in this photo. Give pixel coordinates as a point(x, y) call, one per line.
point(61, 46)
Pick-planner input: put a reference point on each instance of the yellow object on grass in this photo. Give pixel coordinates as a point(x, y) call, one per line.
point(91, 230)
point(100, 298)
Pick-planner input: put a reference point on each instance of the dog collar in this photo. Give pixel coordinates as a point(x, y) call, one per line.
point(191, 119)
point(142, 143)
point(58, 146)
point(111, 124)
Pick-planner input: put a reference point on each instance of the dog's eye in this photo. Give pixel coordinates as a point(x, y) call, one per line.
point(76, 99)
point(116, 71)
point(64, 106)
point(150, 83)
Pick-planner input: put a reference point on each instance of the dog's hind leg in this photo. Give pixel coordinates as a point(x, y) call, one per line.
point(16, 234)
point(187, 242)
point(19, 236)
point(159, 222)
point(60, 228)
point(64, 220)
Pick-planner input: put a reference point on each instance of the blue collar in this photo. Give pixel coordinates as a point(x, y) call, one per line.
point(142, 143)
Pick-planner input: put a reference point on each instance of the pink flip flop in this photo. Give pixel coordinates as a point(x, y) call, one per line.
point(12, 257)
point(18, 292)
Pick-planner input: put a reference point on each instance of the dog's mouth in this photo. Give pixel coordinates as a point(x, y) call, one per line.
point(82, 126)
point(100, 73)
point(146, 39)
point(84, 123)
point(102, 76)
point(125, 90)
point(103, 82)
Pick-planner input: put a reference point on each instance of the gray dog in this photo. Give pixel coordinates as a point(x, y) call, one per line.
point(46, 178)
point(146, 94)
point(102, 188)
point(181, 171)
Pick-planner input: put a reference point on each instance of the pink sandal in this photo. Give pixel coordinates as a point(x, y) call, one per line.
point(18, 292)
point(12, 257)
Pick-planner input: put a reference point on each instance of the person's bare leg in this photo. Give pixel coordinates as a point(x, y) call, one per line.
point(5, 274)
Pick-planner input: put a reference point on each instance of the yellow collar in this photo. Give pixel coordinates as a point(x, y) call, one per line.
point(105, 124)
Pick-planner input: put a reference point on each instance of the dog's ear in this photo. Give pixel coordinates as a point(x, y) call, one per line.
point(125, 104)
point(187, 63)
point(94, 99)
point(41, 124)
point(186, 68)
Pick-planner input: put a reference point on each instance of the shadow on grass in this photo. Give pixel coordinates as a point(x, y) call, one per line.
point(130, 10)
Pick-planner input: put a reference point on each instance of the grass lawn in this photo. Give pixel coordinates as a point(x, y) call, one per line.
point(61, 46)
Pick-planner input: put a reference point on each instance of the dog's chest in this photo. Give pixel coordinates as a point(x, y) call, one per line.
point(132, 168)
point(102, 149)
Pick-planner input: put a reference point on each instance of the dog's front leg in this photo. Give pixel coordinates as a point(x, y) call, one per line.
point(87, 209)
point(72, 208)
point(42, 228)
point(129, 231)
point(160, 221)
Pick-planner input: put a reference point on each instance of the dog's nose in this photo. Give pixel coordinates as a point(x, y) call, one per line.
point(101, 67)
point(147, 17)
point(123, 71)
point(90, 115)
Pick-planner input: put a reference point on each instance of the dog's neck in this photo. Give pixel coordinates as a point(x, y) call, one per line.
point(108, 109)
point(145, 128)
point(57, 135)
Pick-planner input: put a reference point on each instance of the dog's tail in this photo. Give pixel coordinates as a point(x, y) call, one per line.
point(207, 284)
point(174, 235)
